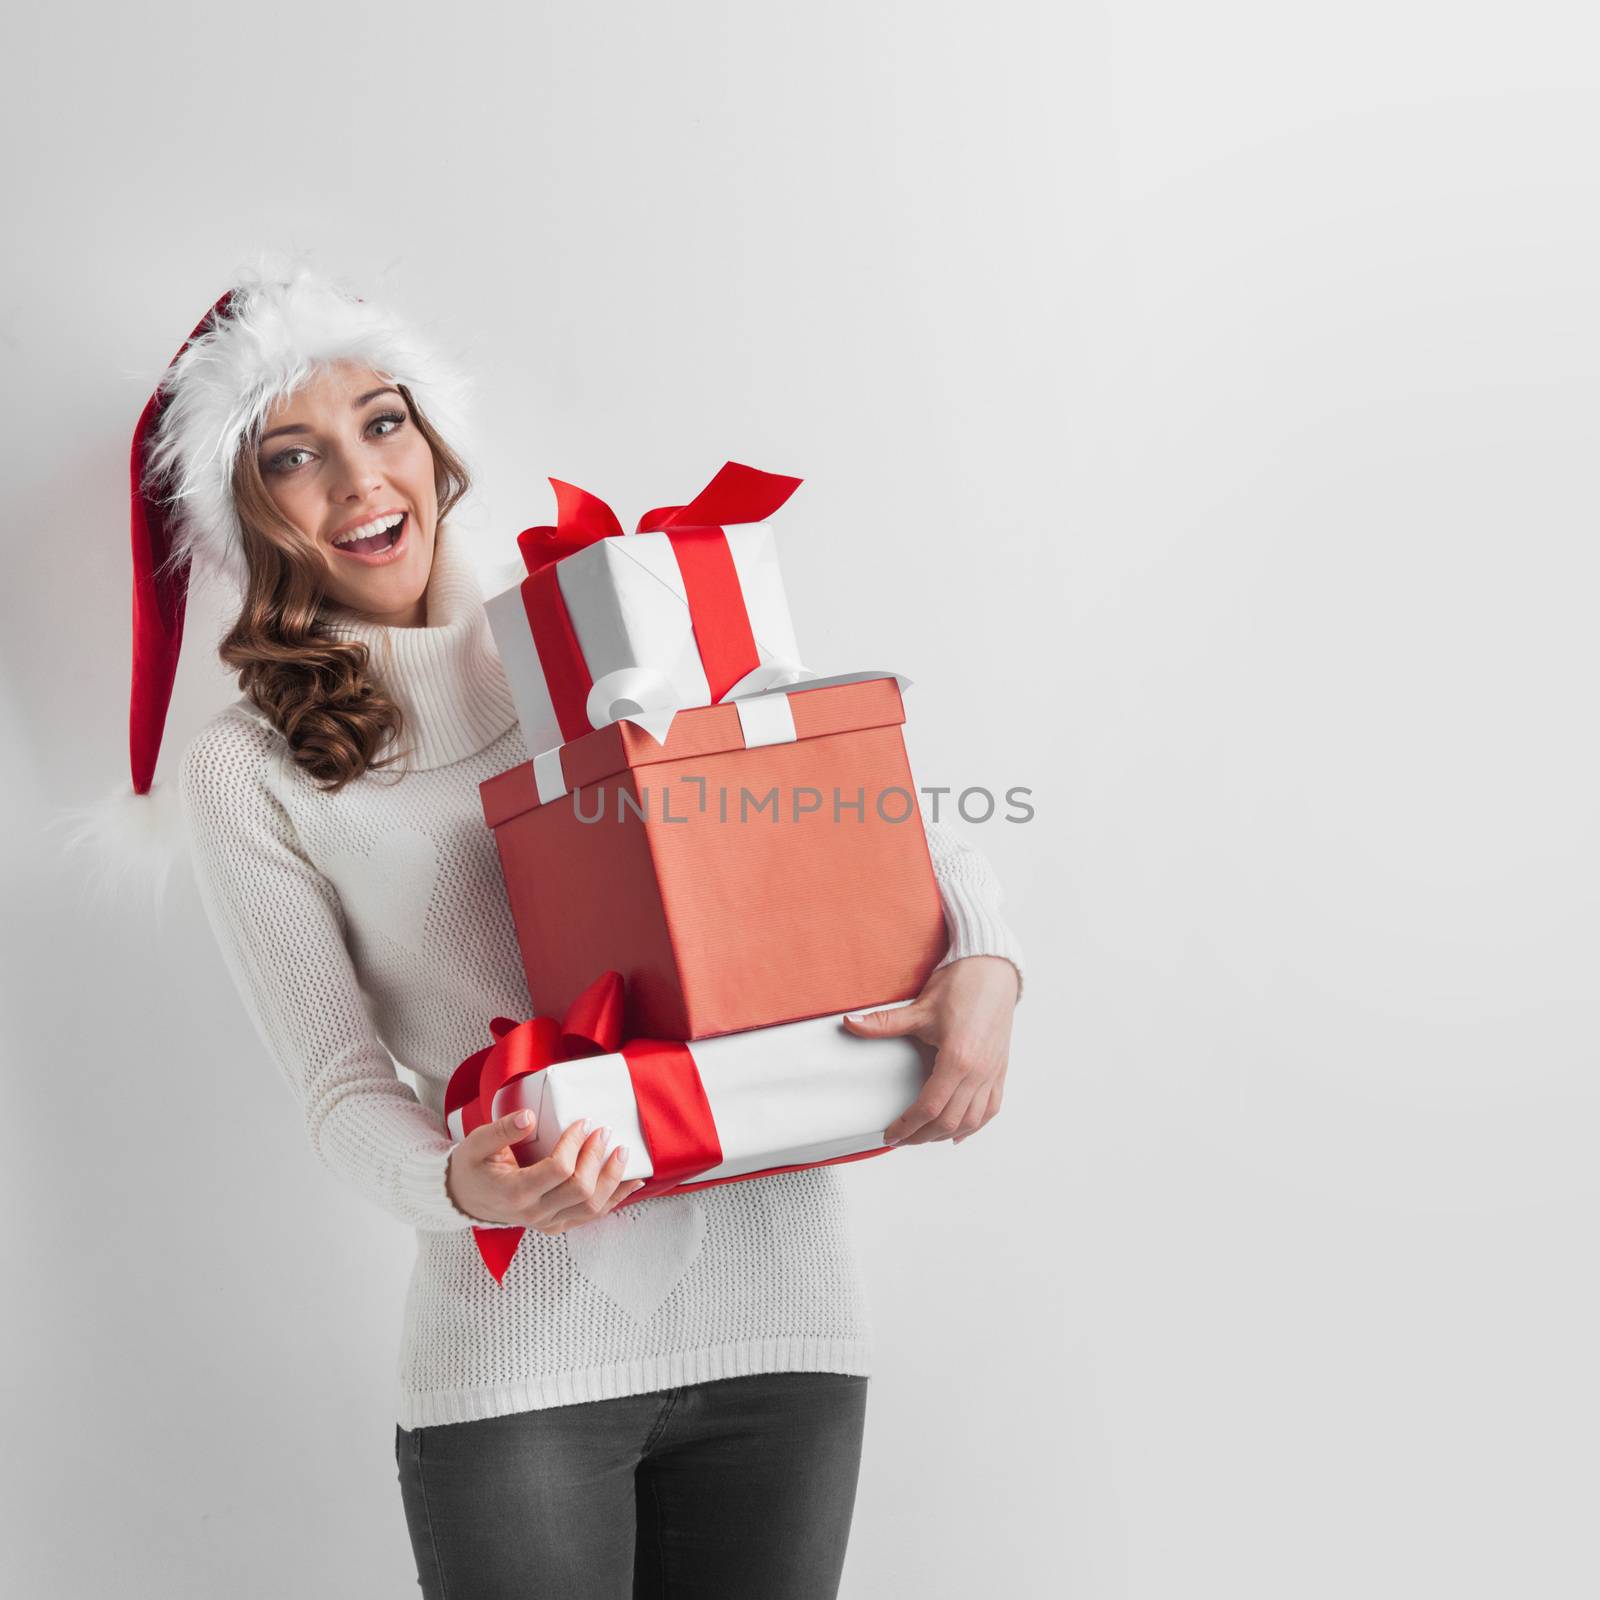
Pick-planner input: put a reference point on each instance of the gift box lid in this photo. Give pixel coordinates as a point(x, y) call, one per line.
point(696, 731)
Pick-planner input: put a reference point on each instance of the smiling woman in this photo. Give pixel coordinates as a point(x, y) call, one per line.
point(339, 499)
point(667, 1397)
point(345, 465)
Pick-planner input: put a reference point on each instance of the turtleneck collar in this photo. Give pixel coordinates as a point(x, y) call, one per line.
point(446, 675)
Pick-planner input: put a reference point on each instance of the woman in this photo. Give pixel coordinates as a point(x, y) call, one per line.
point(670, 1394)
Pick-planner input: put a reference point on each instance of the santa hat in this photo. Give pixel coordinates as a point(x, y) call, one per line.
point(258, 343)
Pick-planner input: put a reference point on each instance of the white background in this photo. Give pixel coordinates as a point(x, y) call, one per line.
point(1199, 403)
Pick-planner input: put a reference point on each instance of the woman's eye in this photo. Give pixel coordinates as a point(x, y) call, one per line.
point(282, 463)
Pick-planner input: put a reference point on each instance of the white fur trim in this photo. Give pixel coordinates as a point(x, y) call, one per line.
point(287, 321)
point(127, 843)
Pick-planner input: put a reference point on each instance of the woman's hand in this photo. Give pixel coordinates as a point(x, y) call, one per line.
point(964, 1011)
point(575, 1183)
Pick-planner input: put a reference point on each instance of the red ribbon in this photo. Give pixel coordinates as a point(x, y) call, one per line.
point(697, 532)
point(680, 1132)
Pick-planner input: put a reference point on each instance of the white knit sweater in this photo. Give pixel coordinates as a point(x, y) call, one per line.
point(371, 926)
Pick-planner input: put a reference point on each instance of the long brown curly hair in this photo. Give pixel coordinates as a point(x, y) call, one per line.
point(318, 691)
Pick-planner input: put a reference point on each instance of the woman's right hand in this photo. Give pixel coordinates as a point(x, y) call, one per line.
point(575, 1183)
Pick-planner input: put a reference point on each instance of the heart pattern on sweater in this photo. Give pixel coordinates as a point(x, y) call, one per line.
point(388, 889)
point(637, 1255)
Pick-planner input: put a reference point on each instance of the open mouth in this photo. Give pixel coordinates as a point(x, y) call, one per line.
point(376, 546)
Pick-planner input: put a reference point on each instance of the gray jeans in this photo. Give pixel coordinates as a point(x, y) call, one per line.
point(735, 1489)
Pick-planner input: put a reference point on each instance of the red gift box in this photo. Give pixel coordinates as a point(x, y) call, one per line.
point(733, 884)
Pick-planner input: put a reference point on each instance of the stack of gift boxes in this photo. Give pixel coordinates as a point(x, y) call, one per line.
point(713, 855)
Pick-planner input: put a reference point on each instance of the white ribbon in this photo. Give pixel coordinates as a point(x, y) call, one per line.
point(549, 781)
point(771, 675)
point(634, 694)
point(645, 697)
point(765, 719)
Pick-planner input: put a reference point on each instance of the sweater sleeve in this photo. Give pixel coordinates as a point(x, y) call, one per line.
point(280, 926)
point(972, 899)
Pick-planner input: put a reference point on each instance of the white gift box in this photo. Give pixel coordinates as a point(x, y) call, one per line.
point(799, 1093)
point(629, 609)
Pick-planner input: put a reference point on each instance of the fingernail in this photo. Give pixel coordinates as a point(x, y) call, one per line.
point(622, 1150)
point(583, 1128)
point(523, 1118)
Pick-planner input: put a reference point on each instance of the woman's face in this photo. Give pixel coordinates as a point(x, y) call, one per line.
point(341, 457)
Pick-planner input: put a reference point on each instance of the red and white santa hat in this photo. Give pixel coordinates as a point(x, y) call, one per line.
point(258, 342)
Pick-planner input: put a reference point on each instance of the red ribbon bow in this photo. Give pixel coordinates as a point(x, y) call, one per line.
point(722, 632)
point(736, 494)
point(679, 1130)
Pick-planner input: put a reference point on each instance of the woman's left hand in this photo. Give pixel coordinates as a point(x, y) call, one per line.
point(964, 1012)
